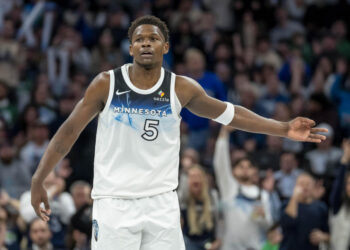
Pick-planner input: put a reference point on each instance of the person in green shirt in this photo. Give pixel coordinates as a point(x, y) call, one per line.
point(274, 237)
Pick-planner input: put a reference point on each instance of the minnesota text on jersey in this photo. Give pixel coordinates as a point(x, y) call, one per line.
point(154, 112)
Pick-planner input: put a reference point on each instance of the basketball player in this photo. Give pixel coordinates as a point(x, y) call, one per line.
point(138, 141)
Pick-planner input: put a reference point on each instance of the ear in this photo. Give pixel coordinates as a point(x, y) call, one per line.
point(130, 50)
point(166, 48)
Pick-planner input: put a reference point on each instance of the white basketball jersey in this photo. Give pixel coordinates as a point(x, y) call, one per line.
point(138, 138)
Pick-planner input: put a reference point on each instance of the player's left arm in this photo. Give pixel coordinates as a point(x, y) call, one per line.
point(193, 97)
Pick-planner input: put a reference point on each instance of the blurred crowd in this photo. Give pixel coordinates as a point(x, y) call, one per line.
point(279, 58)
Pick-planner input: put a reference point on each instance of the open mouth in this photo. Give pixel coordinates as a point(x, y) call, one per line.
point(147, 54)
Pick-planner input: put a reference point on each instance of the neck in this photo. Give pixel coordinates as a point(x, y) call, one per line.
point(144, 77)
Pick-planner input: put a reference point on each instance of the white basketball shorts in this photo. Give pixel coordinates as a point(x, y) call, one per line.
point(151, 223)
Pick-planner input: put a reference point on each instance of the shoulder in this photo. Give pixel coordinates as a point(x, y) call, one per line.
point(102, 79)
point(186, 88)
point(184, 81)
point(99, 88)
point(100, 83)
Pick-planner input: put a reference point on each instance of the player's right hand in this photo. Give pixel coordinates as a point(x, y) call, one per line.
point(38, 196)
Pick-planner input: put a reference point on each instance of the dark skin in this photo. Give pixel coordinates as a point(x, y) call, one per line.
point(147, 47)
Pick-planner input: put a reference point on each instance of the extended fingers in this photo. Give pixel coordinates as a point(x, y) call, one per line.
point(41, 213)
point(317, 136)
point(319, 130)
point(44, 215)
point(307, 121)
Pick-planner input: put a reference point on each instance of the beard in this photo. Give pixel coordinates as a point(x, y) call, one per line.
point(244, 178)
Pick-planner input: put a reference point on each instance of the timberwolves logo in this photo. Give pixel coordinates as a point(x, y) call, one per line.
point(95, 229)
point(161, 97)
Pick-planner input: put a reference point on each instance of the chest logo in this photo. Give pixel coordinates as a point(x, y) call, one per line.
point(161, 93)
point(121, 93)
point(161, 97)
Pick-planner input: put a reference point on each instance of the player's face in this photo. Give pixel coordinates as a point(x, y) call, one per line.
point(148, 46)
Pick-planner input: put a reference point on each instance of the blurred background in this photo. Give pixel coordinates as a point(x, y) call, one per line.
point(279, 58)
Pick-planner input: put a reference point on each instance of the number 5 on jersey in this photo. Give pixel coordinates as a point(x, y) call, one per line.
point(151, 131)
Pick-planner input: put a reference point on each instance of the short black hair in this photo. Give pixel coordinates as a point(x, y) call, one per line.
point(152, 20)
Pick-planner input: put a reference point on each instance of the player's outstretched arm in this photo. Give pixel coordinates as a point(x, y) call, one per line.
point(61, 143)
point(193, 97)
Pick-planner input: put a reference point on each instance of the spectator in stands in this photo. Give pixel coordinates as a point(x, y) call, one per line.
point(268, 184)
point(340, 94)
point(199, 212)
point(304, 221)
point(15, 228)
point(189, 158)
point(199, 127)
point(34, 149)
point(105, 52)
point(340, 203)
point(65, 107)
point(46, 63)
point(81, 192)
point(266, 55)
point(287, 175)
point(81, 222)
point(275, 92)
point(184, 38)
point(325, 157)
point(15, 173)
point(268, 157)
point(3, 132)
point(3, 229)
point(285, 28)
point(11, 55)
point(7, 109)
point(27, 120)
point(339, 31)
point(43, 99)
point(248, 96)
point(274, 238)
point(321, 110)
point(62, 208)
point(40, 235)
point(245, 207)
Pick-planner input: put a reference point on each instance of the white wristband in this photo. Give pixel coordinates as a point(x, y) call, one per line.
point(226, 117)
